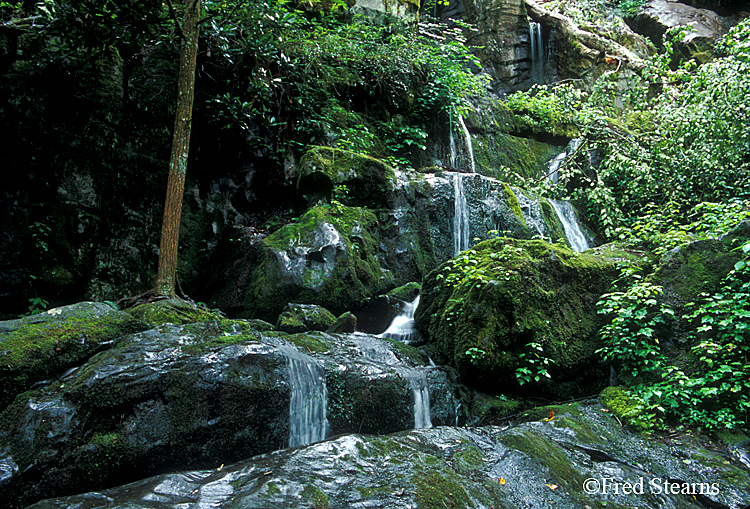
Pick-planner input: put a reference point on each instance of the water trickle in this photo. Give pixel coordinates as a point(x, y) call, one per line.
point(308, 421)
point(571, 226)
point(461, 227)
point(532, 212)
point(536, 72)
point(402, 327)
point(469, 146)
point(421, 391)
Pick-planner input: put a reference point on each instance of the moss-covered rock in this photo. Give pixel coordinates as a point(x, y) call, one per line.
point(407, 292)
point(43, 346)
point(345, 323)
point(689, 270)
point(305, 317)
point(627, 407)
point(369, 182)
point(330, 257)
point(172, 311)
point(520, 302)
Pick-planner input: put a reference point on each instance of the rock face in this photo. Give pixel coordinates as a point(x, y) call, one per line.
point(338, 255)
point(502, 33)
point(207, 393)
point(658, 16)
point(379, 11)
point(520, 302)
point(535, 463)
point(305, 317)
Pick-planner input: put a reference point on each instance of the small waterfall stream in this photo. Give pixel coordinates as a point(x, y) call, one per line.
point(572, 228)
point(402, 326)
point(308, 421)
point(461, 226)
point(537, 56)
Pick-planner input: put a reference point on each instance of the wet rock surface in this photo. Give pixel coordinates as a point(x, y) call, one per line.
point(199, 395)
point(536, 463)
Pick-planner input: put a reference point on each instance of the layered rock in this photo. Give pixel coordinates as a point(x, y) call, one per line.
point(537, 463)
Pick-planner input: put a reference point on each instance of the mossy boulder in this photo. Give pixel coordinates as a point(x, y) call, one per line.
point(691, 269)
point(305, 317)
point(172, 311)
point(518, 301)
point(407, 292)
point(44, 345)
point(369, 182)
point(346, 323)
point(330, 257)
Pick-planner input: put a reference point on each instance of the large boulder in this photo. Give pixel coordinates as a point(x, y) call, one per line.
point(209, 393)
point(537, 463)
point(705, 26)
point(305, 317)
point(521, 303)
point(45, 345)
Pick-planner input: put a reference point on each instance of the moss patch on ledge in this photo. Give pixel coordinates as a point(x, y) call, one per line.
point(175, 311)
point(40, 347)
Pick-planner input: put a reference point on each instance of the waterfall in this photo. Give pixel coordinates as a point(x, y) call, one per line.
point(532, 212)
point(308, 422)
point(573, 232)
point(454, 154)
point(402, 327)
point(461, 227)
point(554, 165)
point(536, 72)
point(421, 392)
point(469, 146)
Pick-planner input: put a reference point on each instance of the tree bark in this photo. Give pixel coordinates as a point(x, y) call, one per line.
point(170, 229)
point(593, 44)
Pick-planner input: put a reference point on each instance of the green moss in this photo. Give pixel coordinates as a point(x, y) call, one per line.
point(340, 285)
point(505, 293)
point(273, 488)
point(314, 342)
point(316, 496)
point(368, 180)
point(36, 351)
point(486, 406)
point(512, 200)
point(626, 407)
point(440, 489)
point(407, 292)
point(172, 311)
point(468, 459)
point(412, 353)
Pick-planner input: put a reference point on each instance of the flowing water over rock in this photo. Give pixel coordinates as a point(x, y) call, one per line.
point(308, 401)
point(535, 463)
point(538, 54)
point(402, 327)
point(574, 234)
point(461, 226)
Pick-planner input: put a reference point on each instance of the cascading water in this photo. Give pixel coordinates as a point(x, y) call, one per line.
point(461, 227)
point(532, 212)
point(536, 72)
point(572, 228)
point(308, 421)
point(402, 327)
point(421, 391)
point(469, 146)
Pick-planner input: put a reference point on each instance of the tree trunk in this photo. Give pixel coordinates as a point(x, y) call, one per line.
point(170, 229)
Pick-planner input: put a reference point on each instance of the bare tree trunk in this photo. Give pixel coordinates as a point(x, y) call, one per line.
point(170, 229)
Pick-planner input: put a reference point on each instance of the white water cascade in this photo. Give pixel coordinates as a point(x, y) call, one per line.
point(421, 391)
point(536, 71)
point(467, 142)
point(402, 326)
point(572, 228)
point(461, 226)
point(308, 421)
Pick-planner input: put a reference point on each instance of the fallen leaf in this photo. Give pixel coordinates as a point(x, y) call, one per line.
point(501, 481)
point(551, 416)
point(220, 467)
point(552, 486)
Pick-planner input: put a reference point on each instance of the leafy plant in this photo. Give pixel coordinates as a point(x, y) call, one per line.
point(534, 364)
